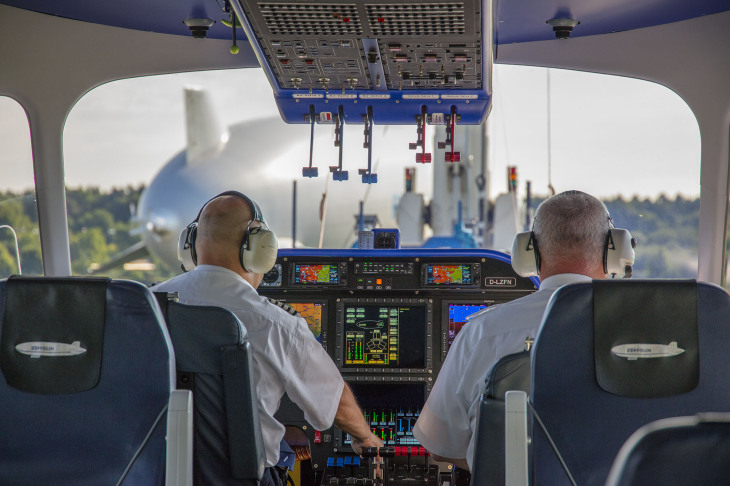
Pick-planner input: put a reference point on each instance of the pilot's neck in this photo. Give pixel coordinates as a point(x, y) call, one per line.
point(595, 272)
point(233, 265)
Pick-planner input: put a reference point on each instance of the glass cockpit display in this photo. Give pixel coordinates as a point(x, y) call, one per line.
point(391, 410)
point(384, 335)
point(316, 274)
point(438, 275)
point(458, 314)
point(313, 313)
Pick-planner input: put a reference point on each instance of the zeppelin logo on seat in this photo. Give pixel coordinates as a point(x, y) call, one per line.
point(635, 351)
point(36, 349)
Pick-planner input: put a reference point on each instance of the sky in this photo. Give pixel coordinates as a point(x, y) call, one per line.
point(608, 135)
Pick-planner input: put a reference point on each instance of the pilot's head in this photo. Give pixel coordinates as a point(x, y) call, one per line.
point(570, 231)
point(231, 233)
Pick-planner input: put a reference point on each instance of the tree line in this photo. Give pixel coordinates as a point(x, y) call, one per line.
point(99, 222)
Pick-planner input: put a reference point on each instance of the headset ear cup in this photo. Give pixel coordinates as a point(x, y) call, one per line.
point(259, 250)
point(536, 250)
point(618, 254)
point(186, 247)
point(606, 246)
point(525, 257)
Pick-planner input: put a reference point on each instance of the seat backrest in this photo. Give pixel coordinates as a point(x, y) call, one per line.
point(87, 372)
point(612, 356)
point(678, 450)
point(511, 372)
point(214, 362)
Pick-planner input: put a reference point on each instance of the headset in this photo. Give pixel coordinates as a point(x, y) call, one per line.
point(618, 253)
point(258, 249)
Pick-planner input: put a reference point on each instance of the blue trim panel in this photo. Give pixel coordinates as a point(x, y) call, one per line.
point(393, 111)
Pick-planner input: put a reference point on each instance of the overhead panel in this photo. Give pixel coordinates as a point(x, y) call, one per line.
point(394, 56)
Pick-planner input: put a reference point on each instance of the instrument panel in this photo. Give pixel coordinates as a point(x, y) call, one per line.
point(387, 318)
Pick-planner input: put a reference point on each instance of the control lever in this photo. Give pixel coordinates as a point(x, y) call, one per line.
point(451, 156)
point(337, 173)
point(373, 455)
point(310, 171)
point(367, 174)
point(423, 157)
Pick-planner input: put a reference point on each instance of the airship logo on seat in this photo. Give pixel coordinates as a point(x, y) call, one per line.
point(36, 349)
point(635, 351)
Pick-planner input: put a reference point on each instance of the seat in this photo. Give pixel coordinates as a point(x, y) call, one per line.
point(86, 396)
point(214, 362)
point(511, 372)
point(612, 356)
point(678, 450)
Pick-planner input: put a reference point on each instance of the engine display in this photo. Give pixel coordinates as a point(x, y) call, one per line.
point(391, 410)
point(384, 335)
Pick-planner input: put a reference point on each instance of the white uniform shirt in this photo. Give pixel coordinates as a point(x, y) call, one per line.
point(286, 356)
point(447, 421)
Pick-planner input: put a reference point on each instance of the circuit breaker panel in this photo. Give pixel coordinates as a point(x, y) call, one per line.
point(394, 56)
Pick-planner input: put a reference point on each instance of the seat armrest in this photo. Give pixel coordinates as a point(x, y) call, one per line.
point(515, 439)
point(179, 463)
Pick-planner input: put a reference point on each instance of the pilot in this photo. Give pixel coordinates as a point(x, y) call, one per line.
point(570, 231)
point(231, 249)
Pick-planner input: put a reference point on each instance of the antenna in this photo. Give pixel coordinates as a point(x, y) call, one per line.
point(549, 138)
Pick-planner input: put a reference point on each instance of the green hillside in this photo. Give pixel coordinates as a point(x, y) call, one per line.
point(99, 225)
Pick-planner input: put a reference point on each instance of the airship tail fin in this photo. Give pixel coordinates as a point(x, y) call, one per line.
point(205, 131)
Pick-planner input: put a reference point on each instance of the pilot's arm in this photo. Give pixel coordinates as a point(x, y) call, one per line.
point(444, 424)
point(350, 418)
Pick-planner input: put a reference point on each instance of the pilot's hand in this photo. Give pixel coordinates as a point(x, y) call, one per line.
point(371, 441)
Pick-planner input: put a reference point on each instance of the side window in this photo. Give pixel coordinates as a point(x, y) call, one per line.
point(20, 246)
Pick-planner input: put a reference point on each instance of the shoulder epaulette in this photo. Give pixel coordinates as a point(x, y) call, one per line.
point(283, 306)
point(528, 343)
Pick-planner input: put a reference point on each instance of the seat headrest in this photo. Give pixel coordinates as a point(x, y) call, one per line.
point(52, 333)
point(646, 340)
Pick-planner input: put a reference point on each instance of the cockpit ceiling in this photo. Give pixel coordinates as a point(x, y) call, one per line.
point(515, 21)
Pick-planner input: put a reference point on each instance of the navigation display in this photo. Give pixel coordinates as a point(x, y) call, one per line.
point(316, 274)
point(457, 317)
point(313, 313)
point(390, 409)
point(384, 335)
point(439, 275)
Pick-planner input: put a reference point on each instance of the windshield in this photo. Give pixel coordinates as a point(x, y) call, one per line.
point(131, 187)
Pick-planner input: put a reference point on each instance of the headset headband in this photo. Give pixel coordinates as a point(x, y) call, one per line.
point(257, 215)
point(618, 250)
